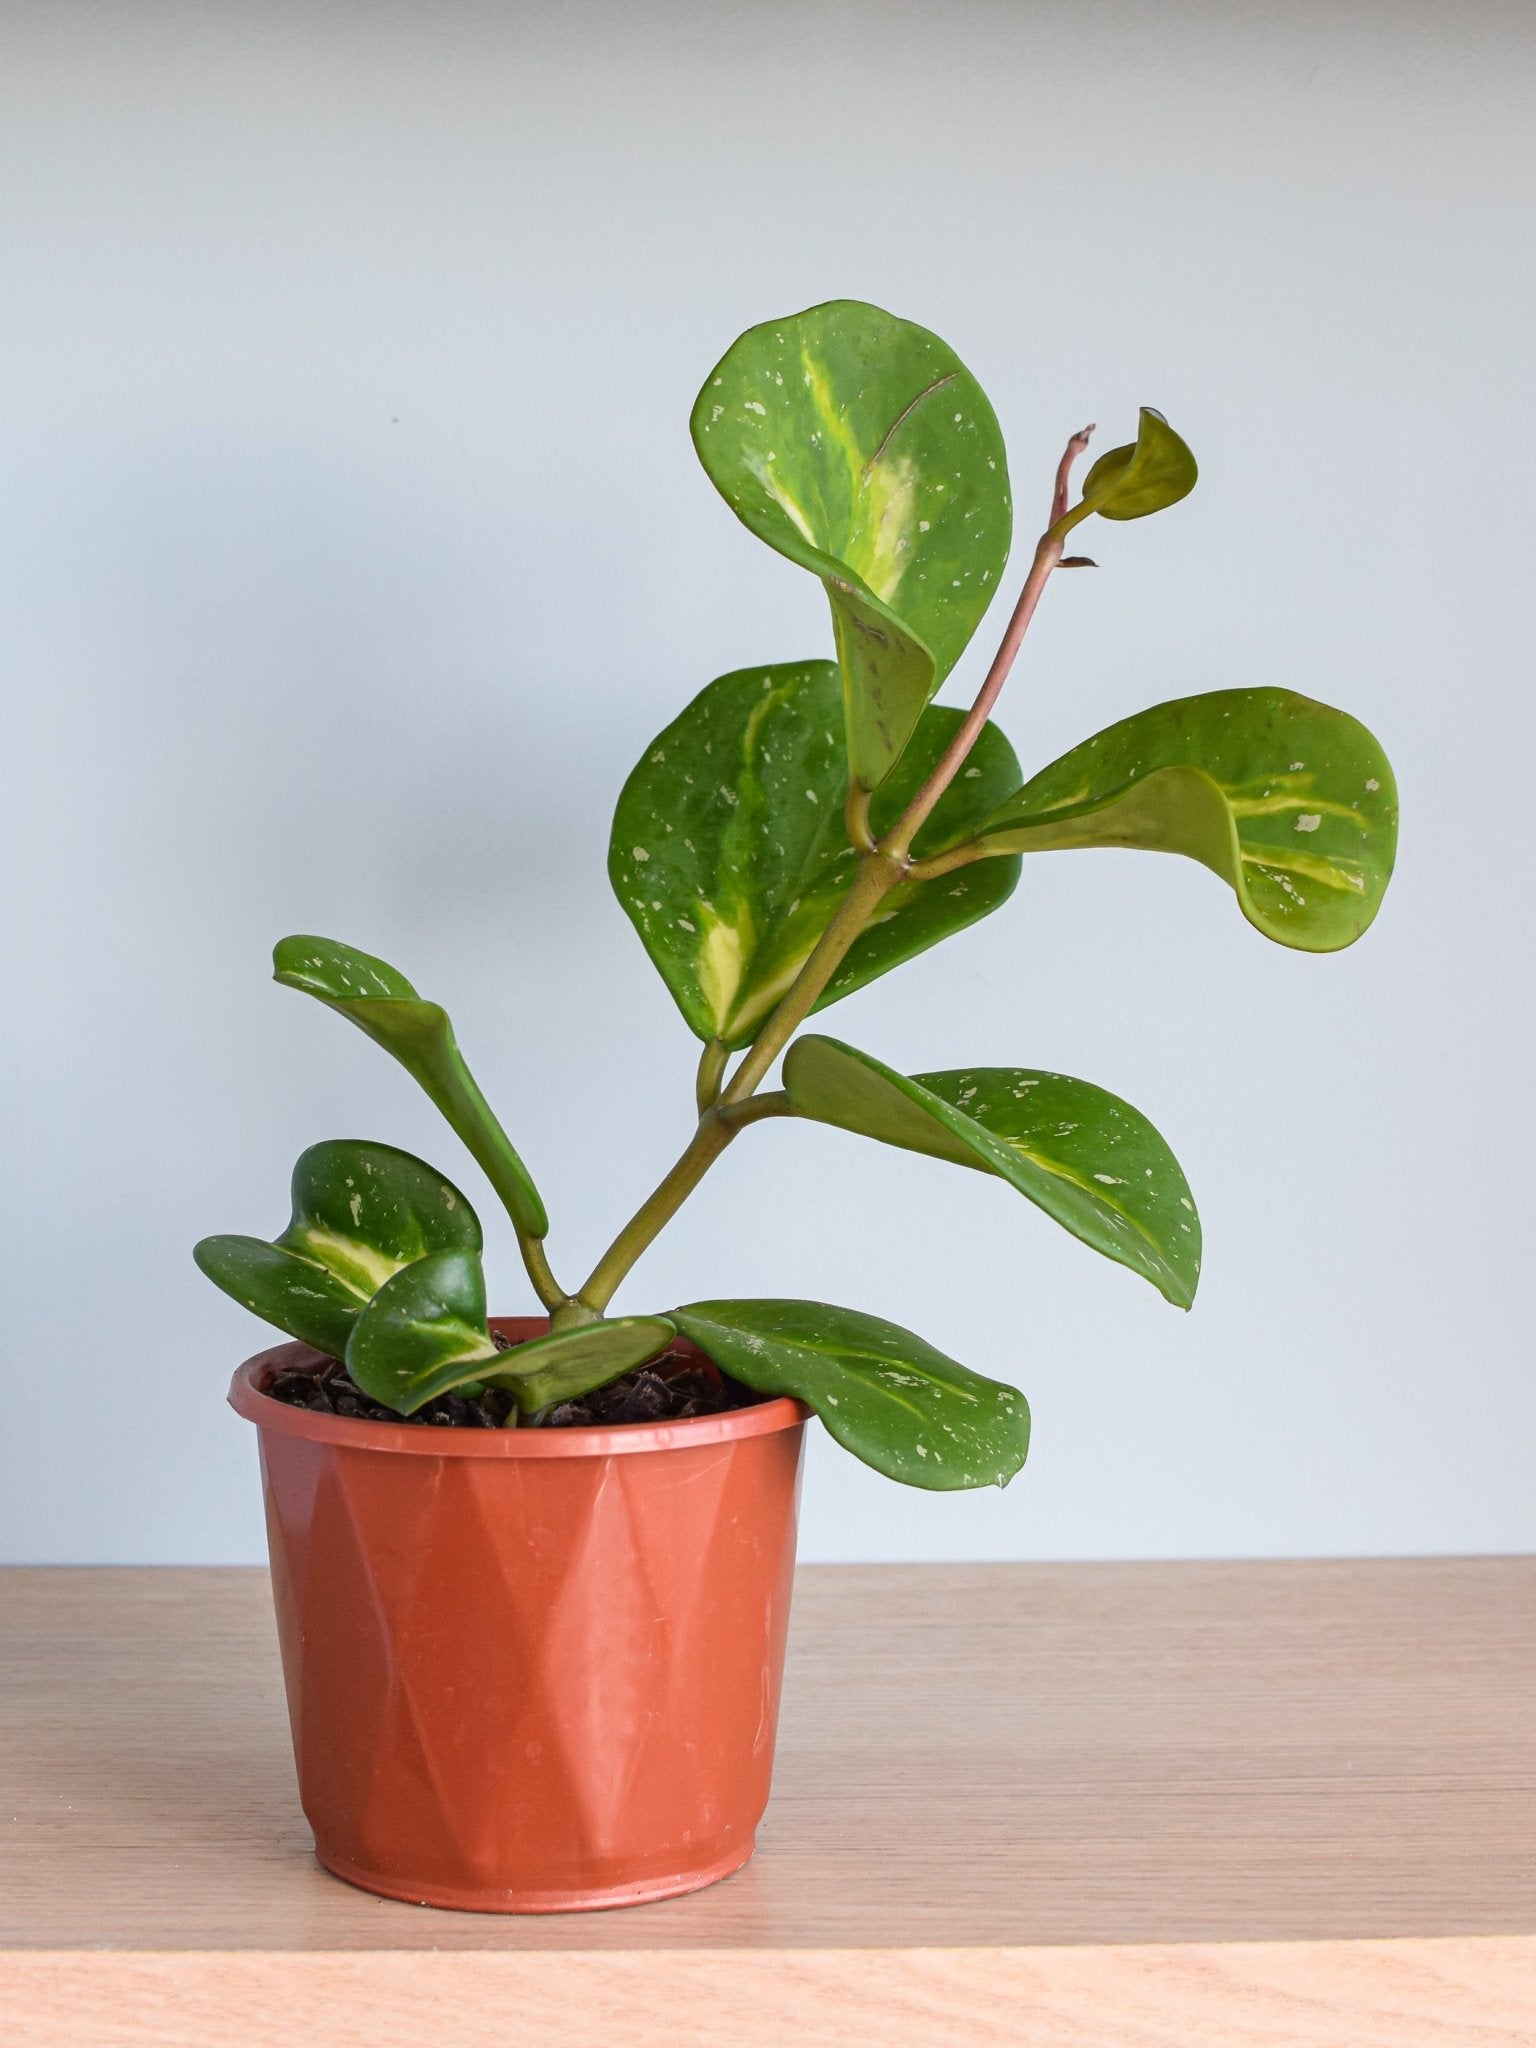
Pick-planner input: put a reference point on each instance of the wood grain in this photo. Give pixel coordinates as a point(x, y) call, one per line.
point(976, 1763)
point(1478, 1993)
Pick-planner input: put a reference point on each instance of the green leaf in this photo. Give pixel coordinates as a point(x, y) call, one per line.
point(569, 1363)
point(280, 1287)
point(885, 1395)
point(1291, 802)
point(381, 1002)
point(860, 447)
point(424, 1333)
point(730, 856)
point(360, 1213)
point(1154, 471)
point(1079, 1153)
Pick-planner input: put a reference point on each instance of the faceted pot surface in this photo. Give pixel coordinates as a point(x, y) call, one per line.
point(529, 1670)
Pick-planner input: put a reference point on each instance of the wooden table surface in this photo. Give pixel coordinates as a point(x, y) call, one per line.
point(1075, 1806)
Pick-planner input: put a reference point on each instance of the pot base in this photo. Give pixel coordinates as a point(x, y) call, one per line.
point(456, 1899)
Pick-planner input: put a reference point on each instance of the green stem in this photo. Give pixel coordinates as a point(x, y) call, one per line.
point(878, 873)
point(738, 1114)
point(880, 869)
point(545, 1285)
point(711, 1073)
point(704, 1148)
point(961, 856)
point(856, 818)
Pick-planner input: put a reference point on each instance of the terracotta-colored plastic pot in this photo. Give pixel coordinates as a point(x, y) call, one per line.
point(529, 1671)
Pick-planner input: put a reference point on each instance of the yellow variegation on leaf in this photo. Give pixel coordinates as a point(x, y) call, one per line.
point(730, 854)
point(1292, 803)
point(860, 447)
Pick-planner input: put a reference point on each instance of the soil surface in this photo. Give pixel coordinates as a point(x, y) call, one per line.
point(670, 1388)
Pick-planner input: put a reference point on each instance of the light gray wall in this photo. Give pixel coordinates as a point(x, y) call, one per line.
point(352, 547)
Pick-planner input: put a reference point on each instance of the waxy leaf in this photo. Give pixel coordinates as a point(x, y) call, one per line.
point(424, 1333)
point(569, 1363)
point(380, 1001)
point(729, 851)
point(1156, 470)
point(1289, 801)
point(885, 1395)
point(860, 447)
point(280, 1287)
point(1079, 1153)
point(360, 1213)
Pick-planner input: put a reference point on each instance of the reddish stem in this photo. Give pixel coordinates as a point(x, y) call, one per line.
point(1047, 558)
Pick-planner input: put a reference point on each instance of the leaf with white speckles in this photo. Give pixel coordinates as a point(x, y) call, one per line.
point(361, 1212)
point(860, 447)
point(1291, 803)
point(884, 1394)
point(382, 1003)
point(565, 1364)
point(730, 856)
point(424, 1333)
point(1079, 1153)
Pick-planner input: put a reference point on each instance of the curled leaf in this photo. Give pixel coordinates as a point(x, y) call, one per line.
point(424, 1333)
point(361, 1212)
point(1079, 1153)
point(1151, 472)
point(381, 1002)
point(1292, 803)
point(860, 447)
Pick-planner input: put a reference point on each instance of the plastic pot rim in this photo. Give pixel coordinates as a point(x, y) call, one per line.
point(249, 1398)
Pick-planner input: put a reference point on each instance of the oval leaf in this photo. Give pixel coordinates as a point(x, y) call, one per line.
point(1079, 1153)
point(885, 1395)
point(360, 1213)
point(569, 1363)
point(1156, 470)
point(424, 1333)
point(860, 447)
point(280, 1287)
point(381, 1002)
point(730, 856)
point(1291, 802)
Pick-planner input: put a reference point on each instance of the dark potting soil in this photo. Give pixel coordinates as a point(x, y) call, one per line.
point(666, 1389)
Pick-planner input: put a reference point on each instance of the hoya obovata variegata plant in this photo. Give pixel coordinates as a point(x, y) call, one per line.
point(800, 829)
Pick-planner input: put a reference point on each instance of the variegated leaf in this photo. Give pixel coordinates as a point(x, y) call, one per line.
point(1291, 802)
point(730, 855)
point(361, 1212)
point(1079, 1153)
point(424, 1333)
point(381, 1002)
point(860, 447)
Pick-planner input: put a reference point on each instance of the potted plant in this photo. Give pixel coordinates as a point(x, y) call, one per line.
point(533, 1654)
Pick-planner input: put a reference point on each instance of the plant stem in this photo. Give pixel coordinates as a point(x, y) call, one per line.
point(900, 838)
point(704, 1148)
point(878, 873)
point(1075, 447)
point(736, 1114)
point(545, 1285)
point(711, 1073)
point(883, 865)
point(856, 818)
